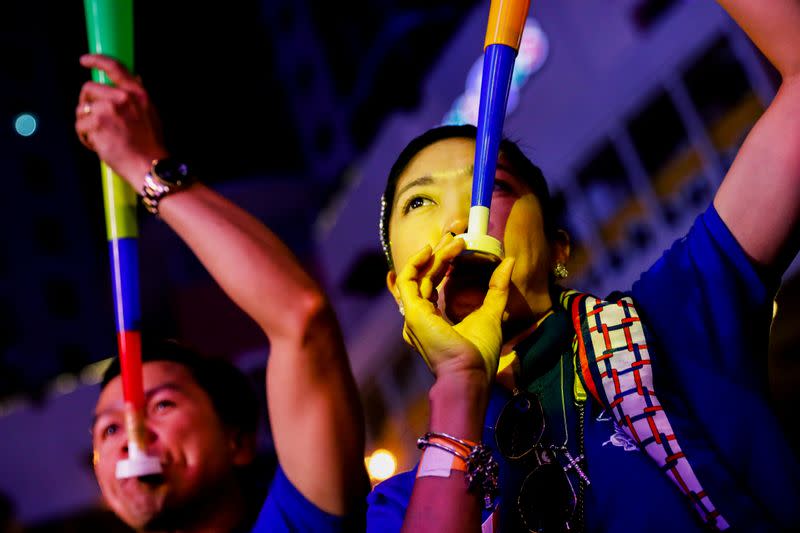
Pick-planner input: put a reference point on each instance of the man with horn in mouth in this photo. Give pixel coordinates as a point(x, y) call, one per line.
point(200, 419)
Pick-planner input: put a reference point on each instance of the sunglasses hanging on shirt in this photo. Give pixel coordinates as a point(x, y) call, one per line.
point(547, 501)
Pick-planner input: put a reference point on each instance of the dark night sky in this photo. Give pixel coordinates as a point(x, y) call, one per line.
point(216, 75)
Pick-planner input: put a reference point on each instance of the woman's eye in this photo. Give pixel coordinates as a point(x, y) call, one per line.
point(502, 186)
point(415, 203)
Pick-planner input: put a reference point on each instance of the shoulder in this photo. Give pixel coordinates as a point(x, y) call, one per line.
point(708, 256)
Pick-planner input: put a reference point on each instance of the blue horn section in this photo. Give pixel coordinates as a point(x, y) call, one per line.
point(125, 283)
point(498, 66)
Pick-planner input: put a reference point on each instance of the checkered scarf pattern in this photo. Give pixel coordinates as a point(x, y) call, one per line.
point(615, 365)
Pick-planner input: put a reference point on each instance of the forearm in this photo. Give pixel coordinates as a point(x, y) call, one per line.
point(774, 27)
point(316, 417)
point(458, 407)
point(317, 422)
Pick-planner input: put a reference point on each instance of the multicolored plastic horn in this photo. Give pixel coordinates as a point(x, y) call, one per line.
point(109, 24)
point(503, 36)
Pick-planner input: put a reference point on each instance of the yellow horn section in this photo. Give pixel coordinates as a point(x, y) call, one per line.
point(506, 21)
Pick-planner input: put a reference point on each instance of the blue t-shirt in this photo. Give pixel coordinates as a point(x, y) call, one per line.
point(287, 510)
point(707, 311)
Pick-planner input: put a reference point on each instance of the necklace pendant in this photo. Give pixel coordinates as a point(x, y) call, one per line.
point(574, 463)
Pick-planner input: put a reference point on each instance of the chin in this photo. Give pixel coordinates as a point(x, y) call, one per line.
point(142, 518)
point(140, 505)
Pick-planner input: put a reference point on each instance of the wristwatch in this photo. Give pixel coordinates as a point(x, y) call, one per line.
point(166, 176)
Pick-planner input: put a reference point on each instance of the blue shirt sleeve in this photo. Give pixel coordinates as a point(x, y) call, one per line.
point(387, 503)
point(707, 310)
point(705, 290)
point(287, 510)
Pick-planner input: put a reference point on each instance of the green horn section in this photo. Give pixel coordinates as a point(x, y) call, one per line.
point(109, 26)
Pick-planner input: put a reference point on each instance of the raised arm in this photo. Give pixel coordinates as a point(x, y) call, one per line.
point(760, 197)
point(316, 418)
point(464, 360)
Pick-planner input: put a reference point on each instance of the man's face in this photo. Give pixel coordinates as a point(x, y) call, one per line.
point(197, 454)
point(433, 197)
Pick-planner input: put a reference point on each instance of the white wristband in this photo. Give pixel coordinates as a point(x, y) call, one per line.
point(439, 463)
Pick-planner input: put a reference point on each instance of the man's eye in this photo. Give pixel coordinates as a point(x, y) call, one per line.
point(163, 405)
point(110, 430)
point(415, 203)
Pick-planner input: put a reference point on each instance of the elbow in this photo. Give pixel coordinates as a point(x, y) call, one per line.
point(790, 81)
point(310, 312)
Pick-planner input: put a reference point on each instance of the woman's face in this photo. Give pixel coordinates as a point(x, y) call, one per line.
point(433, 197)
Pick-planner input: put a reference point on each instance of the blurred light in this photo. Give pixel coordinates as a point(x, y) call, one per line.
point(64, 384)
point(25, 124)
point(93, 374)
point(9, 405)
point(381, 464)
point(533, 51)
point(774, 309)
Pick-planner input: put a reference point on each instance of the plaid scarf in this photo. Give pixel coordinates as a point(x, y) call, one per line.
point(613, 361)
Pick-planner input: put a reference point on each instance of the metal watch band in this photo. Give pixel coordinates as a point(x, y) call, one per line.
point(153, 191)
point(155, 188)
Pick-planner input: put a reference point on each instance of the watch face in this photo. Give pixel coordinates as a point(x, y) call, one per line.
point(171, 171)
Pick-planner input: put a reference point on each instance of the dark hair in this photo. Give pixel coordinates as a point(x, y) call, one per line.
point(230, 391)
point(522, 166)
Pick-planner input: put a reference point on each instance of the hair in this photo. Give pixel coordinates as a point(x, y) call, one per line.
point(229, 390)
point(522, 166)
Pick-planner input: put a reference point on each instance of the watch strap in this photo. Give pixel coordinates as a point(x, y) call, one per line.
point(155, 189)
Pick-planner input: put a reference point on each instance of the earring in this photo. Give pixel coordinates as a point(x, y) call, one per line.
point(560, 271)
point(401, 308)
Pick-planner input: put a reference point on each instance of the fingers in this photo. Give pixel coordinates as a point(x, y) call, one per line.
point(497, 296)
point(83, 127)
point(89, 117)
point(447, 250)
point(407, 282)
point(117, 73)
point(416, 264)
point(96, 101)
point(93, 91)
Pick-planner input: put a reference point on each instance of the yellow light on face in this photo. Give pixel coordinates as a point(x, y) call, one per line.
point(381, 464)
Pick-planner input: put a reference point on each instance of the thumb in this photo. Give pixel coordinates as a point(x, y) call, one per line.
point(494, 303)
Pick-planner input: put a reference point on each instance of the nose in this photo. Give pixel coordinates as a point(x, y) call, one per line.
point(457, 226)
point(456, 215)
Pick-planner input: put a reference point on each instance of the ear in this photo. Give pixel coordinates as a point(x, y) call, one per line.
point(242, 446)
point(391, 284)
point(561, 247)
